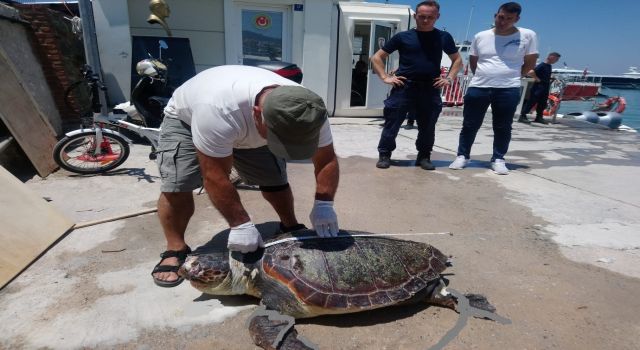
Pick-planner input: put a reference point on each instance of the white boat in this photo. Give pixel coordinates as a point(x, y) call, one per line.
point(628, 80)
point(632, 73)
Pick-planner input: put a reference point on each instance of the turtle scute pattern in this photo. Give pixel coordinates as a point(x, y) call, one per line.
point(353, 272)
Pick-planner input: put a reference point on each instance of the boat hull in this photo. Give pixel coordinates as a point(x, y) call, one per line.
point(580, 91)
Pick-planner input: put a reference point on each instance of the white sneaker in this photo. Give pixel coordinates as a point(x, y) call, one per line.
point(499, 167)
point(459, 163)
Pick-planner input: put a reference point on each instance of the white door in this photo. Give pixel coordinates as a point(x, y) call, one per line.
point(377, 91)
point(265, 33)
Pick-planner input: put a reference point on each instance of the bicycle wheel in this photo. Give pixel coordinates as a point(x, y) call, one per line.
point(78, 154)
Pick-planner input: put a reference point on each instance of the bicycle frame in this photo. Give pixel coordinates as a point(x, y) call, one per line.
point(99, 120)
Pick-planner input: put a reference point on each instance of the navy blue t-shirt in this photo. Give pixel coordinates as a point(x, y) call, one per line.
point(543, 72)
point(420, 52)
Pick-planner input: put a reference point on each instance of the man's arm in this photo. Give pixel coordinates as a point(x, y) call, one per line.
point(529, 63)
point(532, 74)
point(327, 173)
point(456, 64)
point(223, 194)
point(377, 63)
point(473, 63)
point(323, 217)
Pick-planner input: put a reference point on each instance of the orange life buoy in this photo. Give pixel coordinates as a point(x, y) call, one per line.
point(553, 103)
point(619, 102)
point(622, 105)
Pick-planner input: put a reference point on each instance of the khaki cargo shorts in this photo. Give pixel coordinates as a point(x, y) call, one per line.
point(180, 172)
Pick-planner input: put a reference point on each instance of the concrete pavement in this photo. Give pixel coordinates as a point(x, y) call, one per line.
point(564, 222)
point(580, 177)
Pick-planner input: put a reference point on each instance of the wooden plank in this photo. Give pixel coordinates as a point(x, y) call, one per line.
point(29, 227)
point(21, 115)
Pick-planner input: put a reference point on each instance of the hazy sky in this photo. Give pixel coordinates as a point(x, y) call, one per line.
point(603, 36)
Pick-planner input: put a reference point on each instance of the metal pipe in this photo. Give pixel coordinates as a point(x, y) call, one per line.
point(91, 52)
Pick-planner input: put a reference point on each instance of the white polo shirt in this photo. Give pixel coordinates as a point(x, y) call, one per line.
point(218, 104)
point(500, 57)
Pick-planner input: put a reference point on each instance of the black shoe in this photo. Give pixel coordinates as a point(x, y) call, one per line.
point(409, 126)
point(426, 164)
point(541, 121)
point(424, 161)
point(384, 162)
point(524, 120)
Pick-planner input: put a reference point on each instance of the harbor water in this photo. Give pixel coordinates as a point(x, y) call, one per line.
point(631, 115)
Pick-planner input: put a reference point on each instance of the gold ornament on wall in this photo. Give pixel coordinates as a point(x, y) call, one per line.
point(159, 12)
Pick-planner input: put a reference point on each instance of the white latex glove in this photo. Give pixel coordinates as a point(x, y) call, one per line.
point(244, 238)
point(324, 219)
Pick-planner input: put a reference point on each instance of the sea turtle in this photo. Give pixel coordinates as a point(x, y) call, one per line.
point(304, 276)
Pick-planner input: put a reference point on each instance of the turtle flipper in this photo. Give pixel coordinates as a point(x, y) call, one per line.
point(479, 301)
point(438, 295)
point(273, 331)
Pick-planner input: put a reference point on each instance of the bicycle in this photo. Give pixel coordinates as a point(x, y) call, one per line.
point(100, 148)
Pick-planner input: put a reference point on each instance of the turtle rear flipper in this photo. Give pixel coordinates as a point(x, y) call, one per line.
point(271, 330)
point(480, 302)
point(439, 295)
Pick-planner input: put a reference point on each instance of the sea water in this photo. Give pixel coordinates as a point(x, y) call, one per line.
point(631, 115)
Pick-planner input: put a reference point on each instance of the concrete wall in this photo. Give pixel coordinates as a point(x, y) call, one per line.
point(114, 44)
point(317, 48)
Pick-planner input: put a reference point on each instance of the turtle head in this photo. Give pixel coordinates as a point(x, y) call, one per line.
point(205, 271)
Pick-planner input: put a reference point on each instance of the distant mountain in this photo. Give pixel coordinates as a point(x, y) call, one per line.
point(248, 35)
point(258, 45)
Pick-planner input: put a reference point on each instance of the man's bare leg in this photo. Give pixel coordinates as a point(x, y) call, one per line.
point(282, 203)
point(174, 211)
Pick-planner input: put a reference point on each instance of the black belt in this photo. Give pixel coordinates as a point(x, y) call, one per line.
point(420, 83)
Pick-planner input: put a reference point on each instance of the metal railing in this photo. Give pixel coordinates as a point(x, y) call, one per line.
point(453, 95)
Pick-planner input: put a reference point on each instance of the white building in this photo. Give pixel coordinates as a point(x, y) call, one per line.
point(324, 37)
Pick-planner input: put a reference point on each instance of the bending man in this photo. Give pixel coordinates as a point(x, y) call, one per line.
point(252, 119)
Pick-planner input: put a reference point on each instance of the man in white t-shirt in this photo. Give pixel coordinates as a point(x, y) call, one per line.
point(254, 120)
point(499, 57)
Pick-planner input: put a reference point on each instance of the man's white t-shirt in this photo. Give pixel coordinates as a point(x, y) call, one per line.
point(218, 104)
point(500, 57)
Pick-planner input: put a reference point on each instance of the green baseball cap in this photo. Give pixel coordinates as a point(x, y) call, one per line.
point(294, 116)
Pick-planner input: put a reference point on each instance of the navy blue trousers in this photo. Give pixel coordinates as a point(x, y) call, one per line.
point(418, 97)
point(539, 95)
point(504, 102)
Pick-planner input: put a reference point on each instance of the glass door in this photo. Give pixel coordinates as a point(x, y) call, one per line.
point(377, 91)
point(360, 63)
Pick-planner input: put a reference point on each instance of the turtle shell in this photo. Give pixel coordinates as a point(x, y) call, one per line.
point(350, 272)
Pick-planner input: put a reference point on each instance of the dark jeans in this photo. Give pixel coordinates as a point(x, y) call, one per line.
point(420, 97)
point(539, 95)
point(503, 103)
